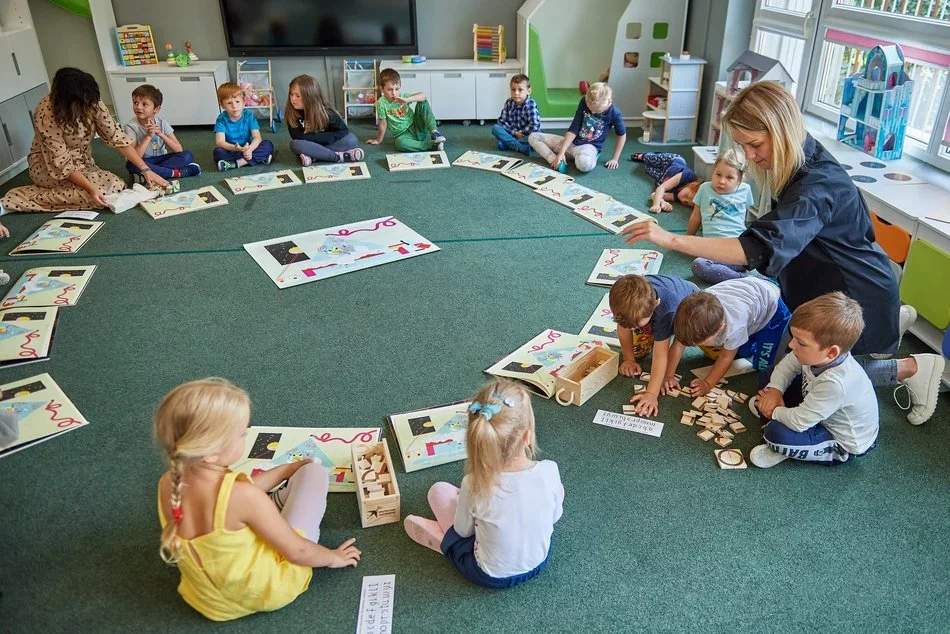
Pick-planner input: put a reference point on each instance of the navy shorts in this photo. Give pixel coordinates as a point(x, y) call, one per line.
point(461, 552)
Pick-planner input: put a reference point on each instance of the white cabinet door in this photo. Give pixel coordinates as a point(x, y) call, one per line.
point(27, 59)
point(188, 99)
point(16, 126)
point(9, 86)
point(492, 88)
point(416, 82)
point(453, 95)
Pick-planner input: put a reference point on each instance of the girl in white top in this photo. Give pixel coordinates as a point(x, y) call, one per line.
point(497, 528)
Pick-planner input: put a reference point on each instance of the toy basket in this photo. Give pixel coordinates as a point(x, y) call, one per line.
point(256, 80)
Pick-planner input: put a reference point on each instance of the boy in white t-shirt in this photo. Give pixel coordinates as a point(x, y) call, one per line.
point(745, 317)
point(833, 415)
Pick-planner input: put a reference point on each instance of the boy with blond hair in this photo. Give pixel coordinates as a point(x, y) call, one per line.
point(744, 317)
point(155, 139)
point(643, 308)
point(414, 128)
point(519, 117)
point(831, 414)
point(237, 135)
point(585, 137)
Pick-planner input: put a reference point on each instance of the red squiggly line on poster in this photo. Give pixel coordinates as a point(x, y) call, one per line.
point(552, 336)
point(363, 436)
point(68, 247)
point(61, 299)
point(29, 353)
point(615, 253)
point(52, 408)
point(386, 222)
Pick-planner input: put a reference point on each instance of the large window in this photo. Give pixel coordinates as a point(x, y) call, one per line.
point(821, 42)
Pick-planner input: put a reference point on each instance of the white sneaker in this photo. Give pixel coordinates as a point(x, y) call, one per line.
point(763, 457)
point(424, 531)
point(907, 318)
point(922, 388)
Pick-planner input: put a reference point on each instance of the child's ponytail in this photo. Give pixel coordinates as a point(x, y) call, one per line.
point(499, 418)
point(195, 420)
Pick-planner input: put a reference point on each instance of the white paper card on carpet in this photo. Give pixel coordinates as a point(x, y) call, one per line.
point(332, 172)
point(79, 214)
point(417, 161)
point(615, 263)
point(317, 255)
point(628, 423)
point(262, 182)
point(738, 367)
point(610, 214)
point(376, 605)
point(486, 161)
point(601, 324)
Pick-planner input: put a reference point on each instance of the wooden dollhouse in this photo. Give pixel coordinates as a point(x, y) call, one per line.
point(875, 104)
point(749, 68)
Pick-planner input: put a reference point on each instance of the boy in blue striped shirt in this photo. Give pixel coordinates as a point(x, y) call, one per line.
point(519, 117)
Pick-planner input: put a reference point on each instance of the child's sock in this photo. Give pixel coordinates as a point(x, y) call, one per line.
point(306, 160)
point(224, 166)
point(192, 169)
point(176, 174)
point(425, 532)
point(241, 162)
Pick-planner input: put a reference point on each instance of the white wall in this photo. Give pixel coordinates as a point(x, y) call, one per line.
point(577, 38)
point(67, 39)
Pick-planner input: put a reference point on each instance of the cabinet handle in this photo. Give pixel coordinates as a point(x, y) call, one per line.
point(193, 78)
point(135, 80)
point(6, 133)
point(16, 64)
point(409, 75)
point(452, 75)
point(496, 75)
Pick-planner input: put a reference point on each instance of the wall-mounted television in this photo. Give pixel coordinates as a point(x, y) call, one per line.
point(320, 27)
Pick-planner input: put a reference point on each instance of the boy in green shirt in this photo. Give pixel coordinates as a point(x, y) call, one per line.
point(414, 129)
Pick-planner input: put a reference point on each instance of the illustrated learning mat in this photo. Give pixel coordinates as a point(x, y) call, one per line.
point(58, 236)
point(183, 202)
point(613, 263)
point(317, 255)
point(610, 214)
point(430, 437)
point(49, 286)
point(26, 334)
point(537, 362)
point(269, 447)
point(601, 324)
point(262, 182)
point(417, 161)
point(40, 411)
point(332, 172)
point(485, 161)
point(534, 175)
point(568, 193)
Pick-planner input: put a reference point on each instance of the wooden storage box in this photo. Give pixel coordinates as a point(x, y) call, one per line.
point(377, 493)
point(584, 376)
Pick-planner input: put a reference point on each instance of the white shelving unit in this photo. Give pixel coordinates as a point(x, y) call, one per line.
point(459, 89)
point(721, 100)
point(672, 104)
point(258, 73)
point(190, 92)
point(23, 83)
point(359, 81)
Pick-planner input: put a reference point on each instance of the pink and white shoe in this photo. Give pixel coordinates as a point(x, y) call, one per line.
point(425, 532)
point(305, 160)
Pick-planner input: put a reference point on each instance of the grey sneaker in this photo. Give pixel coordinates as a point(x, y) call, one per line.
point(922, 388)
point(224, 166)
point(763, 457)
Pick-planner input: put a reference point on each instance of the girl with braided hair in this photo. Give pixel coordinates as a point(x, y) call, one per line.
point(496, 530)
point(237, 553)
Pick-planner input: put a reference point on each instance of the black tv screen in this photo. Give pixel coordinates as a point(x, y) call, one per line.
point(320, 27)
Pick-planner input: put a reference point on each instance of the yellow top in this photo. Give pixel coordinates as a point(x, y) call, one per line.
point(229, 574)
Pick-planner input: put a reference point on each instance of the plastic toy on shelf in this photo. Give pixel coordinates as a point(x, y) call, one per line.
point(359, 89)
point(875, 104)
point(256, 80)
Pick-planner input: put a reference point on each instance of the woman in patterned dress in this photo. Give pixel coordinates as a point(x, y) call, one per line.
point(62, 169)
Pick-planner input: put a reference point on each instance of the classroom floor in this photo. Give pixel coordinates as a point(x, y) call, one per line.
point(654, 536)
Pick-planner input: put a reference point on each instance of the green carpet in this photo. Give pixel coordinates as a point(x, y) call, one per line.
point(654, 536)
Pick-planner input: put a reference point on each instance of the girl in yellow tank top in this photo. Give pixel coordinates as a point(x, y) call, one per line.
point(237, 553)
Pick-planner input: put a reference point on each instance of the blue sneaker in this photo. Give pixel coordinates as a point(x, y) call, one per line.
point(192, 169)
point(437, 137)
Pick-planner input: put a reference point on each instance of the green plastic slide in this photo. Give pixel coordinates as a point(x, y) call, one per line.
point(79, 7)
point(552, 102)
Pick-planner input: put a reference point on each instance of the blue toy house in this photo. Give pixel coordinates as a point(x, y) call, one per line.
point(875, 104)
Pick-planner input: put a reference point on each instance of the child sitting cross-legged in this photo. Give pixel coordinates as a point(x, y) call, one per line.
point(413, 128)
point(238, 550)
point(519, 117)
point(496, 530)
point(744, 317)
point(237, 135)
point(674, 180)
point(155, 139)
point(821, 403)
point(596, 115)
point(643, 308)
point(317, 132)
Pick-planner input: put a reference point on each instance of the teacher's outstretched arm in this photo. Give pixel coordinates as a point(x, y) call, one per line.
point(725, 250)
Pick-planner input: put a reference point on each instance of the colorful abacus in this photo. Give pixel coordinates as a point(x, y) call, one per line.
point(489, 43)
point(136, 46)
